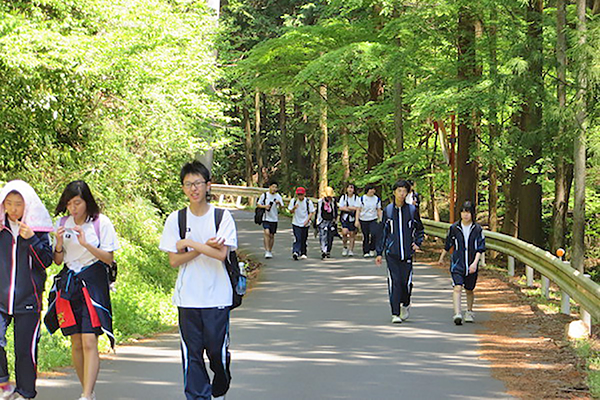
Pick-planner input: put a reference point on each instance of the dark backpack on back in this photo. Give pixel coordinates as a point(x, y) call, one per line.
point(231, 261)
point(259, 213)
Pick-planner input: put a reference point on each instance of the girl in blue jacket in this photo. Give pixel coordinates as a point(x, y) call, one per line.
point(468, 241)
point(25, 253)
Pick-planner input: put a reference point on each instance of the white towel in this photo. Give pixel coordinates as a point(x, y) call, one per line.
point(36, 216)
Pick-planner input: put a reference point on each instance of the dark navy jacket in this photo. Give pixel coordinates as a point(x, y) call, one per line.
point(456, 240)
point(23, 266)
point(397, 239)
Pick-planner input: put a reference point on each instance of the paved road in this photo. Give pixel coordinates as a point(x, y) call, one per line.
point(316, 330)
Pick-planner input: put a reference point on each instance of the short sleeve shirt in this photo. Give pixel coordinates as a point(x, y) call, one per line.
point(305, 208)
point(202, 282)
point(76, 257)
point(347, 201)
point(267, 198)
point(369, 206)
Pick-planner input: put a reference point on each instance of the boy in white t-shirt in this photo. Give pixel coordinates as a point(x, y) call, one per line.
point(303, 210)
point(270, 201)
point(203, 292)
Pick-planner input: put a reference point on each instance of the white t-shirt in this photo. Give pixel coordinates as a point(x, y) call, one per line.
point(268, 198)
point(15, 228)
point(301, 214)
point(369, 206)
point(202, 282)
point(76, 257)
point(347, 201)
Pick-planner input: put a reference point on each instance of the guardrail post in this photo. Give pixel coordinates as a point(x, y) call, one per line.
point(565, 303)
point(546, 287)
point(482, 259)
point(222, 199)
point(511, 266)
point(585, 316)
point(529, 275)
point(238, 202)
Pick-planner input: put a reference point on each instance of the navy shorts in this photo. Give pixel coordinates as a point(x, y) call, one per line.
point(349, 225)
point(468, 282)
point(271, 226)
point(82, 317)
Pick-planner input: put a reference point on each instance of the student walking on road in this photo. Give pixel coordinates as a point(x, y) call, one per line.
point(303, 210)
point(80, 299)
point(402, 235)
point(25, 253)
point(203, 293)
point(270, 201)
point(468, 241)
point(369, 215)
point(349, 204)
point(326, 216)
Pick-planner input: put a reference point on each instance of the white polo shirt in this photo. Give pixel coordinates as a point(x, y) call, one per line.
point(369, 206)
point(202, 282)
point(305, 208)
point(76, 256)
point(267, 198)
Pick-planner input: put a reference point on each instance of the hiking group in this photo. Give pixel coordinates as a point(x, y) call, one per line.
point(200, 241)
point(394, 232)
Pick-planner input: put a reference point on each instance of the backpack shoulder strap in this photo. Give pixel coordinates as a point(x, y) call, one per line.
point(218, 218)
point(182, 221)
point(96, 224)
point(389, 210)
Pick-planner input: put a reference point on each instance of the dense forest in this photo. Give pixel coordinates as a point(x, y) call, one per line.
point(492, 101)
point(122, 92)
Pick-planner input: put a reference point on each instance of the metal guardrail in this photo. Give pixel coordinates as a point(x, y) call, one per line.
point(582, 289)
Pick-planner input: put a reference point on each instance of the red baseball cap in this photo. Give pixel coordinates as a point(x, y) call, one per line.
point(300, 190)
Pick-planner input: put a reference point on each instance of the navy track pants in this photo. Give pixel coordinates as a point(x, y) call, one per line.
point(205, 329)
point(399, 283)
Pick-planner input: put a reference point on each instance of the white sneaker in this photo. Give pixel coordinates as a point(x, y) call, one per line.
point(350, 253)
point(345, 252)
point(303, 257)
point(396, 319)
point(458, 319)
point(219, 398)
point(372, 253)
point(7, 391)
point(92, 397)
point(366, 255)
point(469, 316)
point(268, 254)
point(404, 312)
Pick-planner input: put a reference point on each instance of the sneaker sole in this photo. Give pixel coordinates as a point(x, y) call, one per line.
point(458, 321)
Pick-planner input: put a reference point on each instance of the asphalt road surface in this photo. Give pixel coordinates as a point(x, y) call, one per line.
point(313, 330)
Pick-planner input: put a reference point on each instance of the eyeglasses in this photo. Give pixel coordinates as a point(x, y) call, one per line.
point(197, 184)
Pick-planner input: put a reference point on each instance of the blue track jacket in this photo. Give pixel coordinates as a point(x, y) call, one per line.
point(456, 240)
point(397, 238)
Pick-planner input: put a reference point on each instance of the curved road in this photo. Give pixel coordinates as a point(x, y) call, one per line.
point(316, 330)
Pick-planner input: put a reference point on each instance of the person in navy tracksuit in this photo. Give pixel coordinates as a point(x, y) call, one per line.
point(25, 253)
point(402, 235)
point(468, 241)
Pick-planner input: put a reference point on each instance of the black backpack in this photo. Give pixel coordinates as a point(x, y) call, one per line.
point(259, 213)
point(231, 262)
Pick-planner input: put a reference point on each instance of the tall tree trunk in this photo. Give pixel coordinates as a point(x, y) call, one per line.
point(345, 153)
point(248, 130)
point(510, 225)
point(258, 138)
point(563, 168)
point(493, 121)
point(399, 115)
point(323, 151)
point(375, 138)
point(283, 140)
point(530, 204)
point(467, 71)
point(578, 256)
